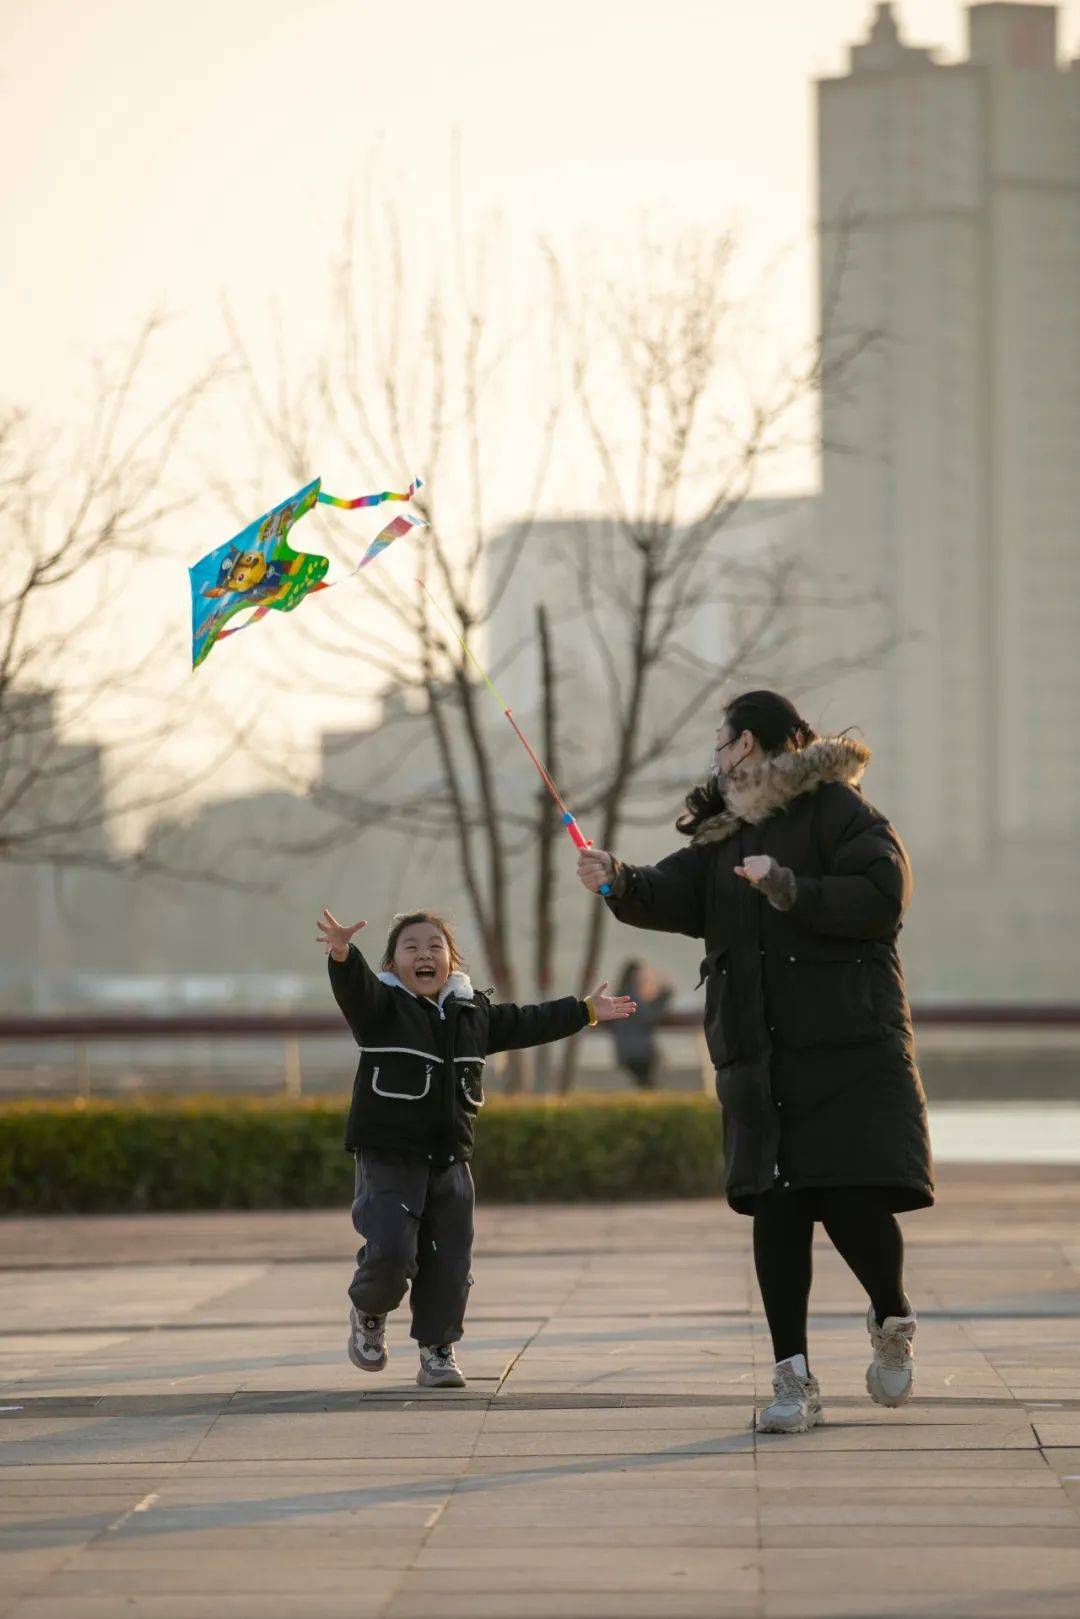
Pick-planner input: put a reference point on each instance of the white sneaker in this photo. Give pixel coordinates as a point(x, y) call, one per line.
point(367, 1341)
point(438, 1368)
point(796, 1404)
point(891, 1373)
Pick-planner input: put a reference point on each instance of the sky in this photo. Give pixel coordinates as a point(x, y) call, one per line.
point(163, 156)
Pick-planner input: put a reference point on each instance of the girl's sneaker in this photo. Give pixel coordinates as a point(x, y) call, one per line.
point(367, 1341)
point(438, 1368)
point(796, 1403)
point(891, 1373)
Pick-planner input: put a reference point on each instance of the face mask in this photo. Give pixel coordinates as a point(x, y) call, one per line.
point(720, 770)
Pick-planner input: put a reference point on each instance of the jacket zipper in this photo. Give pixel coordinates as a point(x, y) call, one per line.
point(444, 1036)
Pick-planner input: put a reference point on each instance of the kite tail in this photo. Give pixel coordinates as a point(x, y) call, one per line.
point(371, 500)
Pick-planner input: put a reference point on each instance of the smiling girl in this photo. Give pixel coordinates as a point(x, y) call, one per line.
point(424, 1035)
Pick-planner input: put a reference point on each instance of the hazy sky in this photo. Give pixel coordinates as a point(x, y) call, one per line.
point(159, 152)
point(162, 154)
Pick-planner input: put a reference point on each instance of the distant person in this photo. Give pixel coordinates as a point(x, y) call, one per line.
point(424, 1034)
point(635, 1040)
point(798, 888)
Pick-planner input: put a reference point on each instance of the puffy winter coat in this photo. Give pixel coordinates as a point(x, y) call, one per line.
point(420, 1081)
point(806, 1015)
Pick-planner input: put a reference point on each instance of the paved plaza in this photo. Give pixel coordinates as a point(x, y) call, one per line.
point(182, 1436)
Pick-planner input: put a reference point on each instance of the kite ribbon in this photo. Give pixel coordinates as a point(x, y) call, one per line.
point(370, 500)
point(574, 832)
point(386, 536)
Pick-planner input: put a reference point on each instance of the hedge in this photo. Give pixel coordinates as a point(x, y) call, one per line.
point(216, 1153)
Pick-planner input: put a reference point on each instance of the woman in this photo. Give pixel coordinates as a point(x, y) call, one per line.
point(798, 888)
point(635, 1038)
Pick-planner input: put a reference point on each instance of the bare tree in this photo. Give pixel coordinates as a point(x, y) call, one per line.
point(679, 432)
point(409, 381)
point(546, 833)
point(415, 385)
point(77, 521)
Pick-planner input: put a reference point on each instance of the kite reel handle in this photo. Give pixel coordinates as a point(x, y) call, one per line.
point(582, 842)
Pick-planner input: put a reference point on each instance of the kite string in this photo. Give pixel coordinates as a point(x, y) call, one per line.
point(570, 823)
point(551, 787)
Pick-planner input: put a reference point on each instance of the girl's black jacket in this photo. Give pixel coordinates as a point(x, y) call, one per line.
point(420, 1080)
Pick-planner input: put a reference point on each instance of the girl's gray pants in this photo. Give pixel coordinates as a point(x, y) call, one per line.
point(417, 1225)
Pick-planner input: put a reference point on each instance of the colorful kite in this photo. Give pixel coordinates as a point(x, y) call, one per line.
point(259, 569)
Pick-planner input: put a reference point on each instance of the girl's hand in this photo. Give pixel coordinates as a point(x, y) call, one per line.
point(334, 936)
point(611, 1007)
point(755, 868)
point(595, 868)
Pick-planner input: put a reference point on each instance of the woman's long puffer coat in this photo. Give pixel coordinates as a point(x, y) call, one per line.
point(806, 1015)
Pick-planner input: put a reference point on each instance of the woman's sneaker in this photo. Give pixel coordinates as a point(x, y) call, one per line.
point(891, 1373)
point(438, 1368)
point(367, 1341)
point(796, 1403)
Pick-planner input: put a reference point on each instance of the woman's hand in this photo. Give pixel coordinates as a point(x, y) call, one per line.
point(334, 936)
point(771, 879)
point(595, 868)
point(755, 868)
point(609, 1008)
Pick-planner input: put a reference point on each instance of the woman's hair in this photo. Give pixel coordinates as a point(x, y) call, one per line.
point(702, 803)
point(406, 920)
point(776, 725)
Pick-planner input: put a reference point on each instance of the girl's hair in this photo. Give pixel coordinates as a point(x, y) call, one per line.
point(775, 724)
point(406, 919)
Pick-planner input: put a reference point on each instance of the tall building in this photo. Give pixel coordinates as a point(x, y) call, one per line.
point(56, 910)
point(569, 565)
point(949, 214)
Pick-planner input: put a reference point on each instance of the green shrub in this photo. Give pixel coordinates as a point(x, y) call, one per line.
point(599, 1147)
point(213, 1153)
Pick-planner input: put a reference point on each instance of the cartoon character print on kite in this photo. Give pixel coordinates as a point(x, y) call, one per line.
point(251, 575)
point(279, 521)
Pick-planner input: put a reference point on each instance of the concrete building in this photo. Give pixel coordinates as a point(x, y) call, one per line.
point(592, 633)
point(568, 566)
point(949, 211)
point(56, 920)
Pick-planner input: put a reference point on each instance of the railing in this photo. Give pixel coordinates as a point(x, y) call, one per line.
point(80, 1032)
point(137, 1025)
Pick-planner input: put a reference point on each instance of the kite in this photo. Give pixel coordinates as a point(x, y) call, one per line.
point(259, 570)
point(574, 832)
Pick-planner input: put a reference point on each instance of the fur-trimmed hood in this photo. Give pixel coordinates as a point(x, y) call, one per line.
point(756, 790)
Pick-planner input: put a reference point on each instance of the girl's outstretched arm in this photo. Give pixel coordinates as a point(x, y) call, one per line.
point(513, 1027)
point(356, 989)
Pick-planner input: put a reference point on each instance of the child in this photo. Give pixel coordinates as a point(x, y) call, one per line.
point(424, 1034)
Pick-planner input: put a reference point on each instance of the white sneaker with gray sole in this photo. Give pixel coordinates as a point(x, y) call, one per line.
point(891, 1374)
point(367, 1341)
point(796, 1402)
point(438, 1368)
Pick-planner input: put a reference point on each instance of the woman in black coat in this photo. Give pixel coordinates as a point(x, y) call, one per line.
point(798, 888)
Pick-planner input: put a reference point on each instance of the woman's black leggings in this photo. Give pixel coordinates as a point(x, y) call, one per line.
point(863, 1230)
